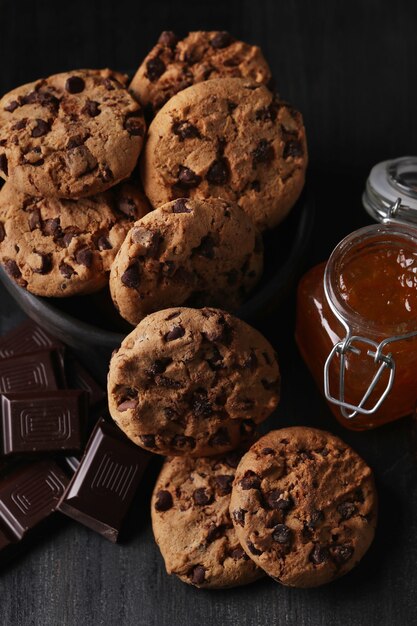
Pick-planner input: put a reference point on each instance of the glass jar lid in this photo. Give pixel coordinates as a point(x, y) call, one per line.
point(391, 182)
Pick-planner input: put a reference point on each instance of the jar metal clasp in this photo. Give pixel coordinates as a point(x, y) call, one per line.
point(350, 343)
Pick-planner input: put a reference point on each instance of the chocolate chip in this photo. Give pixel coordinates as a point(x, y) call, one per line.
point(169, 383)
point(45, 264)
point(131, 277)
point(346, 510)
point(159, 366)
point(2, 232)
point(164, 500)
point(201, 497)
point(359, 497)
point(316, 517)
point(84, 256)
point(293, 148)
point(187, 178)
point(103, 243)
point(51, 227)
point(220, 438)
point(155, 68)
point(20, 124)
point(3, 164)
point(267, 451)
point(238, 553)
point(319, 554)
point(180, 206)
point(221, 40)
point(148, 241)
point(224, 484)
point(168, 38)
point(268, 113)
point(275, 500)
point(252, 549)
point(134, 125)
point(218, 173)
point(263, 153)
point(206, 247)
point(91, 108)
point(198, 575)
point(175, 333)
point(172, 315)
point(74, 142)
point(182, 441)
point(200, 406)
point(185, 130)
point(341, 554)
point(12, 269)
point(41, 128)
point(69, 234)
point(66, 270)
point(215, 532)
point(148, 441)
point(74, 84)
point(250, 480)
point(12, 106)
point(282, 534)
point(170, 414)
point(239, 516)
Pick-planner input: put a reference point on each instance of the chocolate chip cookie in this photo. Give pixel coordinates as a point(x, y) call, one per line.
point(229, 138)
point(304, 506)
point(70, 135)
point(192, 382)
point(192, 526)
point(174, 64)
point(186, 252)
point(60, 247)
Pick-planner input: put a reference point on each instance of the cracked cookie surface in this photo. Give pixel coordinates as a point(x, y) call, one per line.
point(174, 64)
point(64, 247)
point(229, 138)
point(70, 135)
point(304, 506)
point(192, 526)
point(192, 382)
point(186, 252)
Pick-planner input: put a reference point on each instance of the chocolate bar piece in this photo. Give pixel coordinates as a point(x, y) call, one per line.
point(28, 496)
point(29, 372)
point(104, 484)
point(5, 540)
point(72, 462)
point(27, 337)
point(79, 378)
point(43, 421)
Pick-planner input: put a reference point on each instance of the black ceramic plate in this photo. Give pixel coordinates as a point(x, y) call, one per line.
point(93, 320)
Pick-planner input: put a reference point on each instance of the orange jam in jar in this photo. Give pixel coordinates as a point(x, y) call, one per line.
point(357, 315)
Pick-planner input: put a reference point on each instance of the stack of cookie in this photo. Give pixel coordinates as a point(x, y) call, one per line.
point(224, 159)
point(193, 384)
point(66, 143)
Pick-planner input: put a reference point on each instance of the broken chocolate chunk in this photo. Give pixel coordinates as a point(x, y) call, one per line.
point(250, 480)
point(131, 277)
point(263, 153)
point(218, 172)
point(155, 68)
point(221, 40)
point(185, 130)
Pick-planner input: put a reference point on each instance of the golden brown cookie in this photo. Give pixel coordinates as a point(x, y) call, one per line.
point(227, 138)
point(192, 526)
point(61, 247)
point(304, 506)
point(174, 64)
point(186, 252)
point(192, 382)
point(70, 135)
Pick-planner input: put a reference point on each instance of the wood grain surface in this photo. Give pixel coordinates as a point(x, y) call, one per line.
point(350, 67)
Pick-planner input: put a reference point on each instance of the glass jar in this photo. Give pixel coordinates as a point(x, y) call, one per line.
point(357, 314)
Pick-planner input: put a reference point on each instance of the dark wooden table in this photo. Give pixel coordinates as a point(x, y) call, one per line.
point(350, 68)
